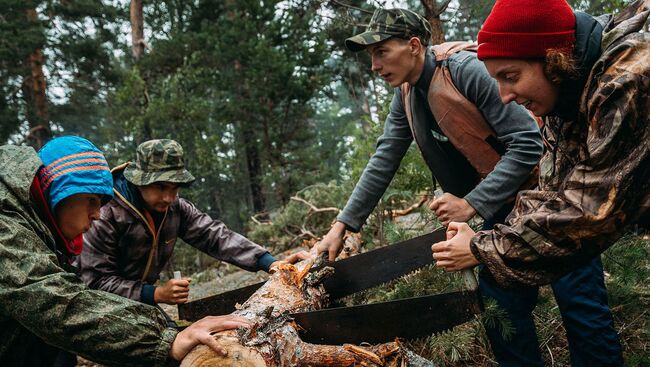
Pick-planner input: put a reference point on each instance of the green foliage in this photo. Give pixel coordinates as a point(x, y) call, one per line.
point(628, 277)
point(297, 221)
point(494, 317)
point(450, 347)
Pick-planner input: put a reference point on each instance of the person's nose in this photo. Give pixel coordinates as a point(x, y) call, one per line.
point(376, 66)
point(506, 94)
point(169, 197)
point(95, 214)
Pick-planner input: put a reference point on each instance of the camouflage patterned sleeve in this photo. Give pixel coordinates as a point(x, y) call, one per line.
point(606, 188)
point(215, 239)
point(60, 309)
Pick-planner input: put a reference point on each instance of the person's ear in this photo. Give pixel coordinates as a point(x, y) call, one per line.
point(415, 46)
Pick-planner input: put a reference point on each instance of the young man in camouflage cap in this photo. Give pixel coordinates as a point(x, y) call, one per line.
point(127, 248)
point(397, 40)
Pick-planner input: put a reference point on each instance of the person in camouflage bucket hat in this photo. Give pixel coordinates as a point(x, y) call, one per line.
point(127, 248)
point(388, 23)
point(159, 160)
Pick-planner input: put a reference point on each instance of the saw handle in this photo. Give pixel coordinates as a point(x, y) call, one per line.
point(470, 279)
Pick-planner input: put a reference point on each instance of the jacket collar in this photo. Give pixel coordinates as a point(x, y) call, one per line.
point(632, 19)
point(19, 166)
point(64, 248)
point(128, 190)
point(423, 83)
point(17, 172)
point(586, 52)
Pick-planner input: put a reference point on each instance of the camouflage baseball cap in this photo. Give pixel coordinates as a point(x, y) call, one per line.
point(158, 160)
point(388, 23)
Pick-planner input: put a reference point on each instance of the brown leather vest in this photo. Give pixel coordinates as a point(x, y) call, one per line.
point(458, 118)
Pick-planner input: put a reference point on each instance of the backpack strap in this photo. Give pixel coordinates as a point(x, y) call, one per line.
point(443, 51)
point(405, 91)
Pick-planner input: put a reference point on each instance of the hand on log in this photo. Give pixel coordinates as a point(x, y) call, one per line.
point(332, 242)
point(291, 259)
point(201, 332)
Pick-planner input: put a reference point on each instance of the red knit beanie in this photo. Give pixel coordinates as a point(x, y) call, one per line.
point(526, 29)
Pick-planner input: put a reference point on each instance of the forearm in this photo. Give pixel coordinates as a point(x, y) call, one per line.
point(505, 181)
point(392, 145)
point(240, 251)
point(61, 310)
point(131, 289)
point(366, 195)
point(547, 237)
point(214, 238)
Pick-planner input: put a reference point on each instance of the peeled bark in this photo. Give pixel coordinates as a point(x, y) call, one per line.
point(274, 340)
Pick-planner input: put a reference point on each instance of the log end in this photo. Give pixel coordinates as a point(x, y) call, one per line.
point(238, 355)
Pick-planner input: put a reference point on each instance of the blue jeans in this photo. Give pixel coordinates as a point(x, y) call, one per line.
point(582, 299)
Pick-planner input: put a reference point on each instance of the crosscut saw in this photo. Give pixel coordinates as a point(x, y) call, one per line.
point(407, 318)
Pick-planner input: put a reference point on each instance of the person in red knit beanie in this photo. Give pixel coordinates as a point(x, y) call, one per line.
point(526, 29)
point(588, 78)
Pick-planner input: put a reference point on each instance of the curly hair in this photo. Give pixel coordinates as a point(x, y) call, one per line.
point(559, 65)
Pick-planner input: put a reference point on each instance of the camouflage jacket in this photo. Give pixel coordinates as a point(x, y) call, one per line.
point(122, 245)
point(43, 307)
point(595, 178)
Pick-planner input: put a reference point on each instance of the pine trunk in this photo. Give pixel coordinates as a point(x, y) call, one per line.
point(254, 166)
point(432, 12)
point(137, 29)
point(274, 340)
point(34, 94)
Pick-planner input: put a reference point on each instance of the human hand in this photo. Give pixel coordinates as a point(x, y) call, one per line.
point(173, 292)
point(455, 254)
point(201, 332)
point(332, 243)
point(292, 259)
point(450, 208)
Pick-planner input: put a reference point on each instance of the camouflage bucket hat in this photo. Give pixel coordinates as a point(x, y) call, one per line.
point(388, 23)
point(159, 160)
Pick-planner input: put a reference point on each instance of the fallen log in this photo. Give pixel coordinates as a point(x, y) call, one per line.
point(274, 341)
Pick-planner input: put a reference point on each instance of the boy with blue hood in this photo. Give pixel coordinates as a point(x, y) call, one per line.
point(47, 200)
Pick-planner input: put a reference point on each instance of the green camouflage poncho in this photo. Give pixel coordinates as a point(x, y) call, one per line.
point(42, 306)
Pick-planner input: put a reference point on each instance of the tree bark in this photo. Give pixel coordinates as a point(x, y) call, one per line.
point(254, 165)
point(137, 29)
point(432, 12)
point(34, 93)
point(274, 340)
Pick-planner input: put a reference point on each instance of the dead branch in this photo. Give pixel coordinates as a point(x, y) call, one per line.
point(402, 212)
point(313, 208)
point(257, 221)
